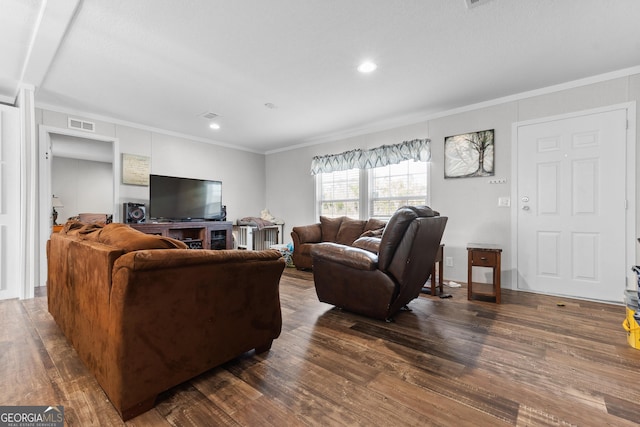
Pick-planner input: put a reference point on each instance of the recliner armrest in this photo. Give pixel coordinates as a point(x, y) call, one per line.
point(371, 244)
point(346, 255)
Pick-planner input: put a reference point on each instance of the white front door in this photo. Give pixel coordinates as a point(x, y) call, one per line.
point(10, 247)
point(572, 206)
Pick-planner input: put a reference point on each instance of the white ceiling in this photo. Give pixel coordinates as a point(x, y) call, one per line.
point(161, 63)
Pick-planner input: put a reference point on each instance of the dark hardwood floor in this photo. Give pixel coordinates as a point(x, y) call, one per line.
point(449, 362)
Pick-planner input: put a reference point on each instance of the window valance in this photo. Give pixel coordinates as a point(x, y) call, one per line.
point(417, 149)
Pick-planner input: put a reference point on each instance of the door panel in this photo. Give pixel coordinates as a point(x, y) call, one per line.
point(571, 206)
point(9, 202)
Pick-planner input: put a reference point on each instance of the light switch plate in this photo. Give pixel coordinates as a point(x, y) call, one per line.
point(504, 202)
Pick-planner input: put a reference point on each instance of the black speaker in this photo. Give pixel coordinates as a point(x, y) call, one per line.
point(134, 213)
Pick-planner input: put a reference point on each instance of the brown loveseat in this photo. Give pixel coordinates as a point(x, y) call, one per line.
point(342, 230)
point(145, 314)
point(378, 277)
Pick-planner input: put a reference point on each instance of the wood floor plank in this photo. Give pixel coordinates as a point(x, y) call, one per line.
point(448, 362)
point(184, 405)
point(436, 408)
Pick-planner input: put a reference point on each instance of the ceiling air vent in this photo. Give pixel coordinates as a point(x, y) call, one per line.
point(209, 115)
point(81, 125)
point(474, 3)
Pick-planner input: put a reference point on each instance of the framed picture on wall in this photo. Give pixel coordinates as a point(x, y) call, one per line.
point(135, 169)
point(469, 154)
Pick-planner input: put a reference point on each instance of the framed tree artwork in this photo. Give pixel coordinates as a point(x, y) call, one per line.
point(469, 154)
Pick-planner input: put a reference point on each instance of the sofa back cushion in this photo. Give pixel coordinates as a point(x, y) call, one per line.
point(345, 230)
point(349, 231)
point(330, 227)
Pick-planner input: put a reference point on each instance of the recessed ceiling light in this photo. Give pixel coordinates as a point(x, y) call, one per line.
point(214, 126)
point(367, 67)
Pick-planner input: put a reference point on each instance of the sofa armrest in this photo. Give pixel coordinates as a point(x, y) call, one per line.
point(357, 258)
point(307, 234)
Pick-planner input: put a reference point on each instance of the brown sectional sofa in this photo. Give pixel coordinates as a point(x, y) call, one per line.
point(145, 314)
point(342, 230)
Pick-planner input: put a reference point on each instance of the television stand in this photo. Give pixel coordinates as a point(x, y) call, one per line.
point(195, 234)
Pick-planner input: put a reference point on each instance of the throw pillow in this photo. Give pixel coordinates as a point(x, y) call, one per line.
point(373, 233)
point(374, 224)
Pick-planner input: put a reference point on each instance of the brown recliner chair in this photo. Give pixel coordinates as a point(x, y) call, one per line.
point(378, 285)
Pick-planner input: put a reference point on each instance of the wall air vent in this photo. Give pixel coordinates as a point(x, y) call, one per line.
point(81, 125)
point(474, 3)
point(209, 115)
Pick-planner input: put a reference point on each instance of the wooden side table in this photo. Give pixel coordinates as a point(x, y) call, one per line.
point(484, 255)
point(433, 290)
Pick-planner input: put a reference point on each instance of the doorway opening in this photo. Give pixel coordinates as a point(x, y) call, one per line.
point(87, 172)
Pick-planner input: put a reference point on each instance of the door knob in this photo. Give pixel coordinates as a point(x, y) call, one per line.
point(525, 208)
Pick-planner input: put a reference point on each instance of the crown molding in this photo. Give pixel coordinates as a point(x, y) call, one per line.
point(426, 115)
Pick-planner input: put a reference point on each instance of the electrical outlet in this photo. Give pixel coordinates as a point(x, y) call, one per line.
point(504, 202)
point(449, 261)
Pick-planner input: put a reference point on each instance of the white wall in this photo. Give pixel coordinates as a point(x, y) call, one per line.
point(83, 186)
point(282, 183)
point(242, 173)
point(290, 187)
point(471, 203)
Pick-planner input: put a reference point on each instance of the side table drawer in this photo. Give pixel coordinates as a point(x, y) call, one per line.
point(484, 258)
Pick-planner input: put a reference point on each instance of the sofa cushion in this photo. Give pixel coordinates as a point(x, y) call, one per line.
point(330, 227)
point(349, 231)
point(128, 239)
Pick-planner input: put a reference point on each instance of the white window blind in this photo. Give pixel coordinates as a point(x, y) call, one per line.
point(393, 186)
point(339, 193)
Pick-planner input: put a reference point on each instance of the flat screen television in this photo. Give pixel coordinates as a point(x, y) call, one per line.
point(184, 199)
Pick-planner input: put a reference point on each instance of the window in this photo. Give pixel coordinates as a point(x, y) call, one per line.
point(397, 175)
point(397, 185)
point(339, 193)
point(377, 192)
